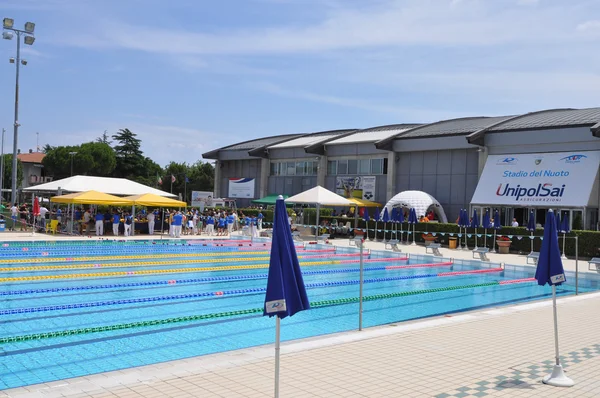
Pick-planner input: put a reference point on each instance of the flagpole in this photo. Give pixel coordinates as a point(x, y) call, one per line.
point(277, 351)
point(360, 301)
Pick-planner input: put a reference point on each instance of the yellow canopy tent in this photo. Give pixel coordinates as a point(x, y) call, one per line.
point(91, 197)
point(150, 199)
point(363, 203)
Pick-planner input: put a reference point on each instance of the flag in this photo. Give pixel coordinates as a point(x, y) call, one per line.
point(159, 179)
point(173, 179)
point(187, 180)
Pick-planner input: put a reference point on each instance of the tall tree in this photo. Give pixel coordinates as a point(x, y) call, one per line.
point(47, 148)
point(130, 158)
point(92, 158)
point(103, 139)
point(149, 172)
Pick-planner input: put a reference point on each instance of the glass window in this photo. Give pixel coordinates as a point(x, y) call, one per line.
point(274, 169)
point(299, 168)
point(353, 166)
point(315, 168)
point(342, 167)
point(364, 166)
point(332, 167)
point(376, 166)
point(291, 168)
point(281, 169)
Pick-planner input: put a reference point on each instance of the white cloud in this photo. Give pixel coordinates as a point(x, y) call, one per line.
point(589, 26)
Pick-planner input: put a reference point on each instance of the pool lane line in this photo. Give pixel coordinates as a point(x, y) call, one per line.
point(220, 293)
point(219, 279)
point(174, 262)
point(192, 318)
point(167, 262)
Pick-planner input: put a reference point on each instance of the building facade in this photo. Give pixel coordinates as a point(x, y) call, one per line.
point(446, 159)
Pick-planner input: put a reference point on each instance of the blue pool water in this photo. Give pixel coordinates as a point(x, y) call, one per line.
point(75, 287)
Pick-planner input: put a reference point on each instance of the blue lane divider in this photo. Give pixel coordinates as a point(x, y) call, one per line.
point(177, 281)
point(197, 295)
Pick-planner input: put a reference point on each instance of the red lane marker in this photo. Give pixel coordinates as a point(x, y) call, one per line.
point(447, 263)
point(513, 281)
point(477, 271)
point(329, 255)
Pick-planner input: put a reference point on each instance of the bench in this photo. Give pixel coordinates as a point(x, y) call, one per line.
point(323, 238)
point(594, 261)
point(435, 249)
point(535, 256)
point(482, 252)
point(392, 244)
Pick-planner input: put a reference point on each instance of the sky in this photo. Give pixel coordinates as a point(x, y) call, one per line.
point(191, 76)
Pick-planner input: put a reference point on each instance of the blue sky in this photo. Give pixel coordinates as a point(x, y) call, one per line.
point(190, 76)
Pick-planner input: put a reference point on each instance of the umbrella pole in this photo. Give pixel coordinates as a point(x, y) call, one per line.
point(494, 242)
point(459, 238)
point(475, 239)
point(34, 216)
point(360, 301)
point(557, 378)
point(317, 228)
point(277, 350)
point(532, 242)
point(414, 233)
point(564, 257)
point(162, 224)
point(485, 237)
point(375, 236)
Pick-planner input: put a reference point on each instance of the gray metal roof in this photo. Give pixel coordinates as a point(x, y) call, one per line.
point(251, 144)
point(452, 127)
point(552, 118)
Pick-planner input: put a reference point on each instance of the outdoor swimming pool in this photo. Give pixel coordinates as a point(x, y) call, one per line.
point(72, 309)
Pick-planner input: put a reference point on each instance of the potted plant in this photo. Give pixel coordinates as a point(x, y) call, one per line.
point(428, 238)
point(503, 243)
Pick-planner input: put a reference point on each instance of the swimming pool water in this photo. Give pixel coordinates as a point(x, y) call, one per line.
point(128, 283)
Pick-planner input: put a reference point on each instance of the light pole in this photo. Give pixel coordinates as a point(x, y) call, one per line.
point(28, 38)
point(72, 155)
point(2, 167)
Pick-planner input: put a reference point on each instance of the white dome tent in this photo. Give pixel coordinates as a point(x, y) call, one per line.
point(421, 201)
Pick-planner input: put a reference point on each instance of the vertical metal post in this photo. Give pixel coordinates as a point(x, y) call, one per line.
point(277, 353)
point(360, 294)
point(576, 265)
point(16, 125)
point(2, 167)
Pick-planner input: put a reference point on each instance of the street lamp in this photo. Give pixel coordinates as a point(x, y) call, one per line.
point(72, 154)
point(8, 33)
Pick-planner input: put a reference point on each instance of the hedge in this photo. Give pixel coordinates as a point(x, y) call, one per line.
point(589, 241)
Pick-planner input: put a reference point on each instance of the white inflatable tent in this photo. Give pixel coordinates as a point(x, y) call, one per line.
point(421, 201)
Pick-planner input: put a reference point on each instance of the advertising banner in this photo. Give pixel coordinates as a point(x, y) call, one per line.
point(202, 199)
point(538, 179)
point(362, 187)
point(241, 188)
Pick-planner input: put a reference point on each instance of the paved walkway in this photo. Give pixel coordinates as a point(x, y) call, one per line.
point(496, 352)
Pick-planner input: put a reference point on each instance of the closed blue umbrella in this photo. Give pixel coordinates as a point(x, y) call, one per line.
point(394, 219)
point(565, 228)
point(366, 218)
point(286, 294)
point(486, 225)
point(497, 225)
point(558, 223)
point(550, 270)
point(385, 218)
point(377, 216)
point(412, 219)
point(400, 220)
point(475, 224)
point(531, 226)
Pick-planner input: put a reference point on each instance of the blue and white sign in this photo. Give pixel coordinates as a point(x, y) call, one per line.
point(241, 188)
point(534, 179)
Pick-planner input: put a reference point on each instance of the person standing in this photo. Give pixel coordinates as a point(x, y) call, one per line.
point(230, 221)
point(116, 220)
point(87, 220)
point(14, 214)
point(42, 218)
point(210, 225)
point(150, 218)
point(59, 215)
point(515, 223)
point(128, 220)
point(177, 223)
point(99, 223)
point(195, 220)
point(24, 213)
point(259, 219)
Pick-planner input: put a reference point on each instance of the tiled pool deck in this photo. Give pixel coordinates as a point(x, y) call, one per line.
point(495, 352)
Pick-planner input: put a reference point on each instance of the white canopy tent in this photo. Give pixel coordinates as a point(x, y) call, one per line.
point(319, 196)
point(421, 201)
point(113, 186)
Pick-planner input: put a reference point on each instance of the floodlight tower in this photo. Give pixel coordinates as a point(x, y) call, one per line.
point(9, 31)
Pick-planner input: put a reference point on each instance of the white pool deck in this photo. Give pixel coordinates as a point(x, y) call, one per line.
point(496, 352)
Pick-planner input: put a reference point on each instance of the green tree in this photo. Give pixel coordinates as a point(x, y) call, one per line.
point(7, 181)
point(57, 162)
point(47, 148)
point(202, 177)
point(130, 158)
point(149, 173)
point(103, 139)
point(92, 158)
point(179, 171)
